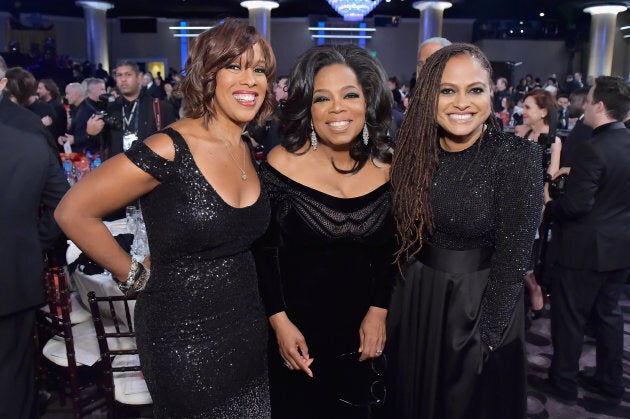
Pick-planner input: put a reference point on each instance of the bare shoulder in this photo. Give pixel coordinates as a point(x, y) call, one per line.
point(281, 159)
point(380, 171)
point(384, 167)
point(162, 145)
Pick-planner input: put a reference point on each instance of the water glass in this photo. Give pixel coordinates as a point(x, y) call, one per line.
point(131, 216)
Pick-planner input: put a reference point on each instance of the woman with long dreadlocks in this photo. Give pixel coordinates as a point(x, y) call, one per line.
point(467, 201)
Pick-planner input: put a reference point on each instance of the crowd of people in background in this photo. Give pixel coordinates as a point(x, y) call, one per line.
point(413, 286)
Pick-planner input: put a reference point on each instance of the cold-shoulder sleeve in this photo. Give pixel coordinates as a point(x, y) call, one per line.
point(151, 162)
point(517, 210)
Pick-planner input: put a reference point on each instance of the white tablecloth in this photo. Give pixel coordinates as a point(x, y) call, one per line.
point(103, 285)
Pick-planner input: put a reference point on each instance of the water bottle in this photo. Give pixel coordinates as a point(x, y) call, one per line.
point(68, 169)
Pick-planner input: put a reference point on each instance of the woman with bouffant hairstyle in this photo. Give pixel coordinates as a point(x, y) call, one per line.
point(200, 324)
point(209, 54)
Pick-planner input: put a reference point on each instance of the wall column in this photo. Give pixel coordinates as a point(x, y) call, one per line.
point(602, 39)
point(260, 15)
point(96, 26)
point(431, 18)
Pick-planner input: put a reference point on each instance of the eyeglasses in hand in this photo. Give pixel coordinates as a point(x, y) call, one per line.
point(361, 384)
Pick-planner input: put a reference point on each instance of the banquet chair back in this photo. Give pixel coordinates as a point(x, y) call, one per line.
point(74, 381)
point(123, 382)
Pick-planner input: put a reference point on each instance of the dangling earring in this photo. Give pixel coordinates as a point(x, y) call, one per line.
point(366, 134)
point(313, 137)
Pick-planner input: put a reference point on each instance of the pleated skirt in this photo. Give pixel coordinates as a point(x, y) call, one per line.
point(439, 368)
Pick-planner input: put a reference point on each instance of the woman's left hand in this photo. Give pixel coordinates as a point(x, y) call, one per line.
point(372, 333)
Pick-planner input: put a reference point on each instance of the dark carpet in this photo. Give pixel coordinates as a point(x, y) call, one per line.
point(590, 405)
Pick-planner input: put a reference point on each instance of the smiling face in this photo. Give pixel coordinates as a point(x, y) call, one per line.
point(533, 114)
point(43, 92)
point(241, 87)
point(338, 108)
point(465, 99)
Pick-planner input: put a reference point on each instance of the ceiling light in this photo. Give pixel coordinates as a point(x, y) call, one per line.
point(333, 29)
point(609, 9)
point(353, 10)
point(260, 4)
point(199, 28)
point(342, 36)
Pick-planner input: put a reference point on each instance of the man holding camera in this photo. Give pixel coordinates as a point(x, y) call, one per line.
point(83, 109)
point(593, 218)
point(133, 116)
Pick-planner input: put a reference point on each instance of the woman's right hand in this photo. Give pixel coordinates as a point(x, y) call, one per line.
point(291, 343)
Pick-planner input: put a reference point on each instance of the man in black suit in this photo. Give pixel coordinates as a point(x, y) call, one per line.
point(138, 115)
point(36, 181)
point(580, 132)
point(153, 89)
point(593, 216)
point(18, 116)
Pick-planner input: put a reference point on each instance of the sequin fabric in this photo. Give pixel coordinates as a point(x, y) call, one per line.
point(491, 195)
point(201, 328)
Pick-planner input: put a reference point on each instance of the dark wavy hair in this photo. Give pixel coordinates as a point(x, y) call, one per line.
point(21, 84)
point(52, 87)
point(544, 100)
point(615, 93)
point(416, 155)
point(212, 51)
point(296, 117)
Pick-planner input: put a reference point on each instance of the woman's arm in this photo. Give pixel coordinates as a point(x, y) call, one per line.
point(291, 343)
point(556, 149)
point(114, 184)
point(372, 332)
point(517, 207)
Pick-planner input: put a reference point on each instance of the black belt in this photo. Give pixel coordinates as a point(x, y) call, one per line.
point(455, 261)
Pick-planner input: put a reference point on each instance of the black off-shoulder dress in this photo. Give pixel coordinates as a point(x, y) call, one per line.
point(325, 261)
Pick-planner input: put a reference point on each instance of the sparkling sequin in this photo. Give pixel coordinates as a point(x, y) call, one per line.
point(491, 195)
point(200, 323)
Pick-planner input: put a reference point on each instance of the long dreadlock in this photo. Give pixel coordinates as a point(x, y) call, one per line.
point(416, 155)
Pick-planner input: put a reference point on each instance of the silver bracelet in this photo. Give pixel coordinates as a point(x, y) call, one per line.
point(135, 270)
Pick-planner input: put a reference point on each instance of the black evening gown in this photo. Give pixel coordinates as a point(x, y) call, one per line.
point(201, 327)
point(325, 261)
point(464, 291)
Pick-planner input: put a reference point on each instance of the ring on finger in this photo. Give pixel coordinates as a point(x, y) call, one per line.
point(379, 351)
point(286, 364)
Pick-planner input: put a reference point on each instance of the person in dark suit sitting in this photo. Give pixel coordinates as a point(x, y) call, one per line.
point(26, 231)
point(593, 216)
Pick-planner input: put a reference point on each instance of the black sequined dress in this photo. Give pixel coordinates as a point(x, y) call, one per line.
point(324, 261)
point(464, 292)
point(201, 327)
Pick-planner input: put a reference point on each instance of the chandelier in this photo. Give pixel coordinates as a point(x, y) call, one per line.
point(353, 10)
